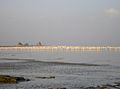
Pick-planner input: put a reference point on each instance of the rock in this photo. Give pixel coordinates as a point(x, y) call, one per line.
point(98, 87)
point(118, 83)
point(21, 79)
point(103, 87)
point(51, 77)
point(90, 87)
point(7, 79)
point(50, 88)
point(62, 88)
point(107, 86)
point(58, 88)
point(11, 79)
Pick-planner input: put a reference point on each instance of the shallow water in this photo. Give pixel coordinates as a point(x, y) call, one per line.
point(72, 69)
point(90, 57)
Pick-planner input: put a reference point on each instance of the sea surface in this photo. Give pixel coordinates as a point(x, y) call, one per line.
point(72, 69)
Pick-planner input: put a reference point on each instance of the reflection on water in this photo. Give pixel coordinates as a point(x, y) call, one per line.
point(111, 57)
point(62, 48)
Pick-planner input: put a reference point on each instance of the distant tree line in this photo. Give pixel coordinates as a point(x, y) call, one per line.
point(27, 44)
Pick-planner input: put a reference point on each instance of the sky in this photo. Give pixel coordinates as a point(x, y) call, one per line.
point(60, 22)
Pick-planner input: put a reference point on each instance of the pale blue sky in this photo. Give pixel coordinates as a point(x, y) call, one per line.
point(63, 22)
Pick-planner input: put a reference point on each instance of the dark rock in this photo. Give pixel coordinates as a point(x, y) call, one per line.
point(108, 85)
point(21, 79)
point(12, 79)
point(51, 77)
point(62, 88)
point(7, 79)
point(118, 83)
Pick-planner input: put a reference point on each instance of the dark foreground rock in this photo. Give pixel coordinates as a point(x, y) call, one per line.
point(11, 79)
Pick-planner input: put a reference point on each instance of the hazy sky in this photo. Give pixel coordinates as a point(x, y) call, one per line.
point(63, 22)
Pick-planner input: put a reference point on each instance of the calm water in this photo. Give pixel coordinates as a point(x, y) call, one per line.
point(90, 57)
point(72, 69)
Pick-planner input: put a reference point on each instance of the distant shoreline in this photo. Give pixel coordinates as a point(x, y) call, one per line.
point(45, 47)
point(18, 46)
point(58, 45)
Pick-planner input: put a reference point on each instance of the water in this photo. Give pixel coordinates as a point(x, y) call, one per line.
point(90, 57)
point(72, 69)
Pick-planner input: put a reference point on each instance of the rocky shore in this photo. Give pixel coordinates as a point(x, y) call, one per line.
point(11, 79)
point(7, 79)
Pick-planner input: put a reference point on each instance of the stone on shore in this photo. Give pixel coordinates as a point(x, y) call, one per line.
point(11, 79)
